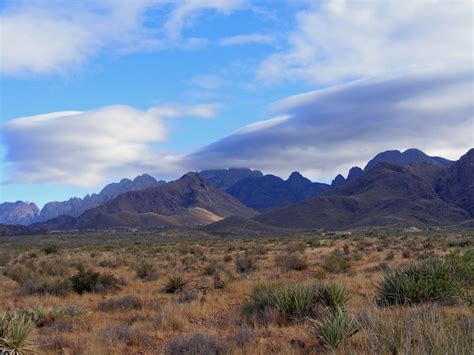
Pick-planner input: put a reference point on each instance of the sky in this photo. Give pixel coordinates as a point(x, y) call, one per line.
point(94, 91)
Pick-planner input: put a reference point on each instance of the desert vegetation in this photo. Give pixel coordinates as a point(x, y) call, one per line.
point(179, 292)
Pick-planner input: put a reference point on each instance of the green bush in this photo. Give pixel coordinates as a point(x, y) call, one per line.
point(89, 281)
point(432, 280)
point(336, 263)
point(146, 271)
point(245, 263)
point(291, 262)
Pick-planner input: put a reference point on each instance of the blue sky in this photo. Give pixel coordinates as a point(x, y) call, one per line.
point(169, 86)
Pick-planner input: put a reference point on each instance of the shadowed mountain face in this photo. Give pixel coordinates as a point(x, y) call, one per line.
point(17, 229)
point(420, 194)
point(18, 212)
point(187, 201)
point(269, 191)
point(456, 183)
point(409, 156)
point(76, 206)
point(225, 178)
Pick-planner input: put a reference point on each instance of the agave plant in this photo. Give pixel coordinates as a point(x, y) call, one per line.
point(335, 327)
point(14, 332)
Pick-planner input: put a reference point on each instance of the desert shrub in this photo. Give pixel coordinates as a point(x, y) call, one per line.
point(291, 262)
point(296, 246)
point(125, 334)
point(227, 258)
point(146, 271)
point(417, 330)
point(45, 316)
point(188, 296)
point(245, 263)
point(89, 281)
point(212, 267)
point(313, 242)
point(335, 327)
point(15, 330)
point(221, 279)
point(42, 285)
point(390, 255)
point(50, 249)
point(197, 344)
point(243, 337)
point(333, 295)
point(429, 281)
point(346, 249)
point(125, 303)
point(292, 301)
point(406, 254)
point(336, 262)
point(175, 283)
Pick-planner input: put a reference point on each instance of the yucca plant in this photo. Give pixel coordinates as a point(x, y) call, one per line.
point(428, 281)
point(175, 283)
point(335, 327)
point(296, 301)
point(333, 295)
point(14, 332)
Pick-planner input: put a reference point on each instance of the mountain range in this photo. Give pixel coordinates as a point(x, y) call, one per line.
point(188, 201)
point(394, 189)
point(421, 194)
point(27, 213)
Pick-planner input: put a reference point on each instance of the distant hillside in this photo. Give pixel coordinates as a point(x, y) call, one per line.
point(18, 212)
point(409, 156)
point(225, 178)
point(76, 206)
point(7, 230)
point(240, 226)
point(269, 191)
point(420, 194)
point(187, 201)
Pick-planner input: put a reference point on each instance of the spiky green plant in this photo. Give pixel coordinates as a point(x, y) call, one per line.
point(335, 327)
point(429, 281)
point(333, 295)
point(175, 283)
point(296, 301)
point(15, 330)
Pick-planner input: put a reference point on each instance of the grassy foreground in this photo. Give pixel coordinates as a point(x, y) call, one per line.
point(383, 292)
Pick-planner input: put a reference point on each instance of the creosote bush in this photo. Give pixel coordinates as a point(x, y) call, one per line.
point(336, 262)
point(294, 262)
point(89, 281)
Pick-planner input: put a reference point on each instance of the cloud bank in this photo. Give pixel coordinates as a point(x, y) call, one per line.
point(86, 148)
point(59, 36)
point(336, 41)
point(327, 131)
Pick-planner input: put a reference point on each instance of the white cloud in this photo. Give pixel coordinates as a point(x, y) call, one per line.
point(246, 39)
point(38, 37)
point(207, 82)
point(339, 40)
point(88, 148)
point(325, 132)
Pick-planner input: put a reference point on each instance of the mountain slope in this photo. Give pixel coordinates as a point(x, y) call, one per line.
point(225, 178)
point(270, 191)
point(456, 183)
point(386, 195)
point(76, 206)
point(18, 212)
point(409, 156)
point(187, 201)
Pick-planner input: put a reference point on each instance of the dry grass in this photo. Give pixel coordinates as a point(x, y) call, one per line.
point(140, 316)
